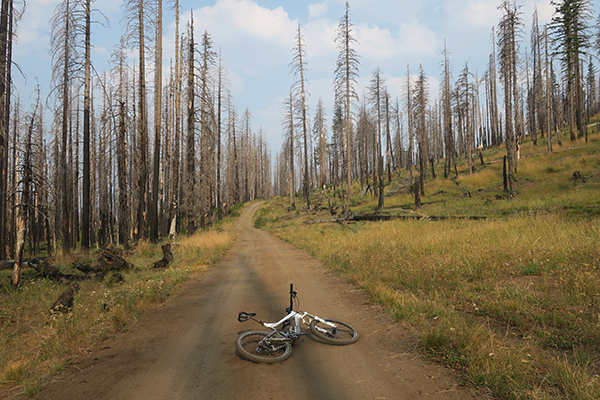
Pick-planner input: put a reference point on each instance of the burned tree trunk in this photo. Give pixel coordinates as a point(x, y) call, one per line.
point(64, 303)
point(167, 257)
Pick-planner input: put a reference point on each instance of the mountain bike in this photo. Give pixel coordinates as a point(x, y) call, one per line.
point(276, 344)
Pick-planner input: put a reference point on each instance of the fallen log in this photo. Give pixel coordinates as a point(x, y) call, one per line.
point(53, 273)
point(110, 259)
point(31, 263)
point(388, 217)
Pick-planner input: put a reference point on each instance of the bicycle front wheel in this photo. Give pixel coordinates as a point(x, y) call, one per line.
point(256, 346)
point(343, 333)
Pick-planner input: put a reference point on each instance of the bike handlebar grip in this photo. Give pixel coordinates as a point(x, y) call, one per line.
point(243, 317)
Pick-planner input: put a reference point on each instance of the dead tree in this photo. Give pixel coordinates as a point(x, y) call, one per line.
point(346, 72)
point(153, 207)
point(167, 257)
point(6, 19)
point(299, 93)
point(24, 206)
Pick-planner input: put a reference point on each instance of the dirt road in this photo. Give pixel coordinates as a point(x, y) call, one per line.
point(186, 348)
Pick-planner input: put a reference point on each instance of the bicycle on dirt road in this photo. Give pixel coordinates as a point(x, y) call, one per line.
point(276, 344)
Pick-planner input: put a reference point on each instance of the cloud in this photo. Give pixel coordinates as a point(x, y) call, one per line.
point(319, 37)
point(317, 11)
point(376, 42)
point(245, 20)
point(479, 13)
point(33, 34)
point(417, 39)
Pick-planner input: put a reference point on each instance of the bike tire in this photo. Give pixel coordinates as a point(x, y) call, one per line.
point(247, 345)
point(342, 335)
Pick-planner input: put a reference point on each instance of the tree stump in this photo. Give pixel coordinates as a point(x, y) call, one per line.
point(578, 177)
point(64, 303)
point(167, 257)
point(111, 260)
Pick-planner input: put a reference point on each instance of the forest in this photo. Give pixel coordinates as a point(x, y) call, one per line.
point(125, 159)
point(547, 90)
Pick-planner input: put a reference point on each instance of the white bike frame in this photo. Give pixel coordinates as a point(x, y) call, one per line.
point(306, 319)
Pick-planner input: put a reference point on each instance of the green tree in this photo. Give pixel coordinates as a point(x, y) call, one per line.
point(570, 31)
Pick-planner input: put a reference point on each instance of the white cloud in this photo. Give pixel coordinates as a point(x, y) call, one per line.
point(476, 13)
point(376, 42)
point(33, 30)
point(417, 39)
point(319, 37)
point(316, 11)
point(413, 39)
point(235, 20)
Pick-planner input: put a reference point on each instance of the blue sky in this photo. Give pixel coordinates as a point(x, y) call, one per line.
point(256, 38)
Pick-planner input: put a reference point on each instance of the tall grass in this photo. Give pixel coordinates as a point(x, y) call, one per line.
point(514, 300)
point(35, 343)
point(497, 298)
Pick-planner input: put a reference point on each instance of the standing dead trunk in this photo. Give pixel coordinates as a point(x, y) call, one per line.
point(86, 210)
point(190, 139)
point(218, 197)
point(346, 73)
point(21, 224)
point(4, 113)
point(153, 211)
point(24, 204)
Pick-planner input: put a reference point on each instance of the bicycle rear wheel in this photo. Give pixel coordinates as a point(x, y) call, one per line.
point(253, 346)
point(342, 334)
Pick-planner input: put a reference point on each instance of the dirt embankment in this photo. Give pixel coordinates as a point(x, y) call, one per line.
point(185, 349)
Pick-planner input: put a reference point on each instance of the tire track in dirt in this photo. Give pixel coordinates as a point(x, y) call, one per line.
point(185, 349)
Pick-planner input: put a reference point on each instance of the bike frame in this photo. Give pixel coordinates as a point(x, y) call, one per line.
point(297, 317)
point(275, 344)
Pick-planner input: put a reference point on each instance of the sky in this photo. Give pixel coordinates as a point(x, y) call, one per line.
point(256, 37)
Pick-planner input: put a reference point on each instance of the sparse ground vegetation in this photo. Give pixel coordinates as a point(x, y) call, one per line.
point(513, 300)
point(35, 343)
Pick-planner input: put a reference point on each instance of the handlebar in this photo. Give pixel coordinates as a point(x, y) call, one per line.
point(292, 297)
point(244, 316)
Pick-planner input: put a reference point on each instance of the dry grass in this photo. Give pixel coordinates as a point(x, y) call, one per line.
point(35, 343)
point(514, 300)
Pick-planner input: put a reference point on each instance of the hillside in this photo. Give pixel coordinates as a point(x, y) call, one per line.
point(513, 299)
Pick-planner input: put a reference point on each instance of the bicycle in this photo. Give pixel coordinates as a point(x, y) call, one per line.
point(276, 345)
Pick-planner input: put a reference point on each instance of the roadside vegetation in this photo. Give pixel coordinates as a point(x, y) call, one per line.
point(512, 300)
point(36, 343)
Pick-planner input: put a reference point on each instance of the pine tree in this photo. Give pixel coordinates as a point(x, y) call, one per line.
point(508, 40)
point(446, 100)
point(570, 31)
point(346, 73)
point(299, 93)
